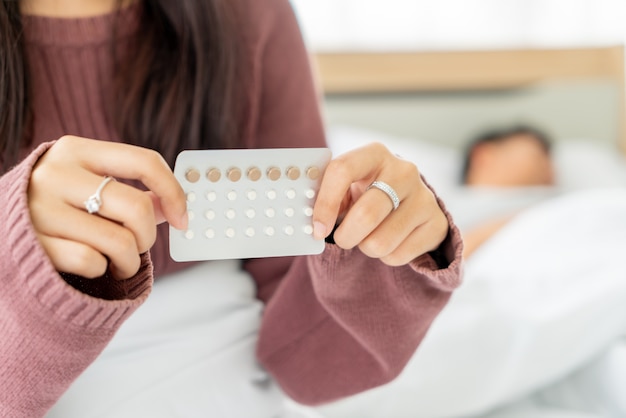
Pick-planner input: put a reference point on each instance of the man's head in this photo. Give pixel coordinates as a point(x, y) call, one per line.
point(519, 156)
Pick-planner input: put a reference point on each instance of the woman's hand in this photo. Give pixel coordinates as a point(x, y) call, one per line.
point(368, 219)
point(125, 225)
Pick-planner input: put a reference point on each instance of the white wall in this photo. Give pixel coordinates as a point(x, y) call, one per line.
point(331, 25)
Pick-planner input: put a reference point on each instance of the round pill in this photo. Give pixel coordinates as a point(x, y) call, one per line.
point(308, 211)
point(293, 173)
point(254, 173)
point(213, 174)
point(211, 196)
point(271, 194)
point(191, 197)
point(270, 212)
point(192, 175)
point(251, 194)
point(230, 232)
point(289, 212)
point(290, 193)
point(250, 213)
point(230, 213)
point(308, 229)
point(190, 215)
point(209, 233)
point(289, 230)
point(232, 195)
point(250, 231)
point(189, 234)
point(209, 214)
point(269, 231)
point(310, 193)
point(273, 173)
point(233, 174)
point(313, 173)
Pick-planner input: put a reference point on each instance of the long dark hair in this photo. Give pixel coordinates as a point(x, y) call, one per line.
point(13, 84)
point(177, 85)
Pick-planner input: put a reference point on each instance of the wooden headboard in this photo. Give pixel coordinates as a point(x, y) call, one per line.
point(569, 92)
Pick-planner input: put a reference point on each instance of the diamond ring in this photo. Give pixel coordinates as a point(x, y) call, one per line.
point(93, 203)
point(388, 190)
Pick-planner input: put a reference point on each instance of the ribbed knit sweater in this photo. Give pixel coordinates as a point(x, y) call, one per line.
point(334, 324)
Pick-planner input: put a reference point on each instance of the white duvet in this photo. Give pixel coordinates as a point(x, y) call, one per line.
point(541, 315)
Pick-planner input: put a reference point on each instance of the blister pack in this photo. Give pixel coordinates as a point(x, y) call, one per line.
point(248, 203)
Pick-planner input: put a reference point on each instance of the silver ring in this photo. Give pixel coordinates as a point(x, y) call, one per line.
point(93, 203)
point(388, 190)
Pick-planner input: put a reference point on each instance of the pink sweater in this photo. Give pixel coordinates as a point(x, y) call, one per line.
point(334, 324)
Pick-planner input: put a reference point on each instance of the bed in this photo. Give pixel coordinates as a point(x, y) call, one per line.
point(539, 327)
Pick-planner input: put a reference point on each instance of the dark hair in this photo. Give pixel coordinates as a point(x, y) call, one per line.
point(13, 84)
point(175, 86)
point(498, 135)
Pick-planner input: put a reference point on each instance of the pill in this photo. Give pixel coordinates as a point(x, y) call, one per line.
point(230, 232)
point(233, 174)
point(192, 175)
point(293, 173)
point(209, 214)
point(310, 193)
point(251, 194)
point(269, 231)
point(289, 230)
point(271, 194)
point(290, 193)
point(273, 173)
point(308, 211)
point(313, 173)
point(211, 196)
point(254, 173)
point(189, 234)
point(213, 174)
point(308, 229)
point(232, 195)
point(191, 197)
point(209, 233)
point(270, 212)
point(230, 213)
point(289, 212)
point(250, 231)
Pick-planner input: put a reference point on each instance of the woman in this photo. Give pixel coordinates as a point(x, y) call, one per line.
point(169, 76)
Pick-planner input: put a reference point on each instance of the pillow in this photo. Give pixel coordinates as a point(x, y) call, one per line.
point(583, 164)
point(579, 163)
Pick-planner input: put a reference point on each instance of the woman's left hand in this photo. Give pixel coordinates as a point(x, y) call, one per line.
point(367, 216)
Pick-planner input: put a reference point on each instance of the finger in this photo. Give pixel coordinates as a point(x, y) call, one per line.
point(124, 204)
point(73, 257)
point(365, 215)
point(361, 163)
point(425, 238)
point(134, 163)
point(112, 240)
point(379, 234)
point(159, 217)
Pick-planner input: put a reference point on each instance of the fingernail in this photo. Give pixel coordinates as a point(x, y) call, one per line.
point(319, 230)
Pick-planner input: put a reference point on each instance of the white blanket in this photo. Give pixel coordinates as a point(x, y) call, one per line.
point(543, 307)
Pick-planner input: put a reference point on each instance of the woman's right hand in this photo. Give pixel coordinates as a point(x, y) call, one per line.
point(124, 227)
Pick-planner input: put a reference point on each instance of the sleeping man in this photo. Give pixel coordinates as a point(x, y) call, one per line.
point(511, 168)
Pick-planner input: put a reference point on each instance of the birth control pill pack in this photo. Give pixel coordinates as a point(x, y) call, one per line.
point(248, 203)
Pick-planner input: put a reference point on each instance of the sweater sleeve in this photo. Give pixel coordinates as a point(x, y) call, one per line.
point(51, 331)
point(337, 323)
